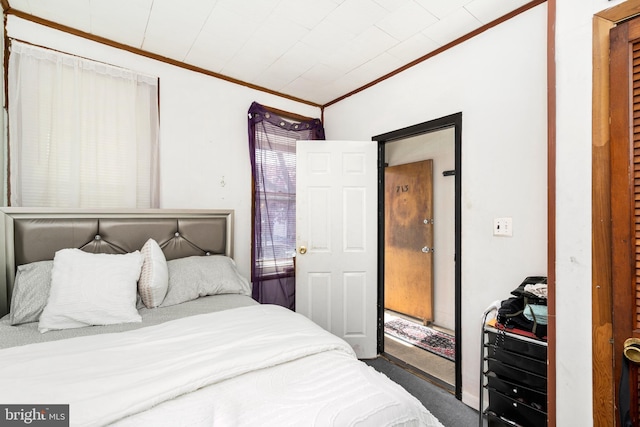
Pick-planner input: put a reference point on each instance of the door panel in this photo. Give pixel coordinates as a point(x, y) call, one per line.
point(625, 197)
point(409, 245)
point(336, 233)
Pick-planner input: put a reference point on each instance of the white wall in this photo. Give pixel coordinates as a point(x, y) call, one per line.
point(440, 147)
point(498, 81)
point(203, 131)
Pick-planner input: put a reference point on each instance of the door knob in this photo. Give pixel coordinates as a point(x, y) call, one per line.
point(632, 349)
point(302, 250)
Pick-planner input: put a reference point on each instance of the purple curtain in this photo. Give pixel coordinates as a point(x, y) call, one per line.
point(272, 148)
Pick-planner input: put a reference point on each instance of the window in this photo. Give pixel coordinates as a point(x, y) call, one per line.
point(272, 142)
point(276, 191)
point(81, 133)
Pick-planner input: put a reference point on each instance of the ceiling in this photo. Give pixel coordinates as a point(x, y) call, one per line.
point(311, 50)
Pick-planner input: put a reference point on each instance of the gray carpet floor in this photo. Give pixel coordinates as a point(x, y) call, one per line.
point(450, 411)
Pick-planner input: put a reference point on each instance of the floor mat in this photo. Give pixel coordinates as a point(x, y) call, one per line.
point(427, 338)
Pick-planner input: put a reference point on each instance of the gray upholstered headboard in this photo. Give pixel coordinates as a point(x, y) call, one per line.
point(31, 235)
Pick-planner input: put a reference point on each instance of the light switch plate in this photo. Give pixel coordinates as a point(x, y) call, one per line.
point(503, 227)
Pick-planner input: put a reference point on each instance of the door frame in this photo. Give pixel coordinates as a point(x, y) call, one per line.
point(450, 121)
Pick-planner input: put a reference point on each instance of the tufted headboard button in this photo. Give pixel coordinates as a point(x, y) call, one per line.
point(98, 237)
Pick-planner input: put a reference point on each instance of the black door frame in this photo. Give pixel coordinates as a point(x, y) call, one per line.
point(451, 121)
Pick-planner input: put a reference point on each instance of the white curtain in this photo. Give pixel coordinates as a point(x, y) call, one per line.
point(81, 133)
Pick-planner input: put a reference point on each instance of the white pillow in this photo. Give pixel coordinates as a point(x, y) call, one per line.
point(154, 279)
point(91, 289)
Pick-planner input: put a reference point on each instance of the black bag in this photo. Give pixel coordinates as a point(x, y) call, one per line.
point(511, 315)
point(530, 298)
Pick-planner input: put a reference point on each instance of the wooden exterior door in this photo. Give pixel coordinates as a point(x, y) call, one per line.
point(625, 198)
point(408, 265)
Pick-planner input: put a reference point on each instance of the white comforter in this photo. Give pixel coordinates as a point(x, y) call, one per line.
point(258, 365)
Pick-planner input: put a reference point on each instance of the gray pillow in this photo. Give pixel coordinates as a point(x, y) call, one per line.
point(197, 276)
point(30, 292)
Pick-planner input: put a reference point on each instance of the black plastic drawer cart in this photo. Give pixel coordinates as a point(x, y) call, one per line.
point(513, 373)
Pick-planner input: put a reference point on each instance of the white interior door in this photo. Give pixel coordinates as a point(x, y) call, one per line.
point(336, 233)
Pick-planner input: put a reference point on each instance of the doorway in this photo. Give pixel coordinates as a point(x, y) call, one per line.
point(439, 141)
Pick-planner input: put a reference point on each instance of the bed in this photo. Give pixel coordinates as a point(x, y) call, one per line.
point(141, 318)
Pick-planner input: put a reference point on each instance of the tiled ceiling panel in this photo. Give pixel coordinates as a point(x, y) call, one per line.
point(452, 26)
point(486, 10)
point(72, 13)
point(312, 50)
point(406, 21)
point(442, 8)
point(109, 22)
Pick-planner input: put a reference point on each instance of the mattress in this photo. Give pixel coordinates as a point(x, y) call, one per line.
point(28, 333)
point(253, 365)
